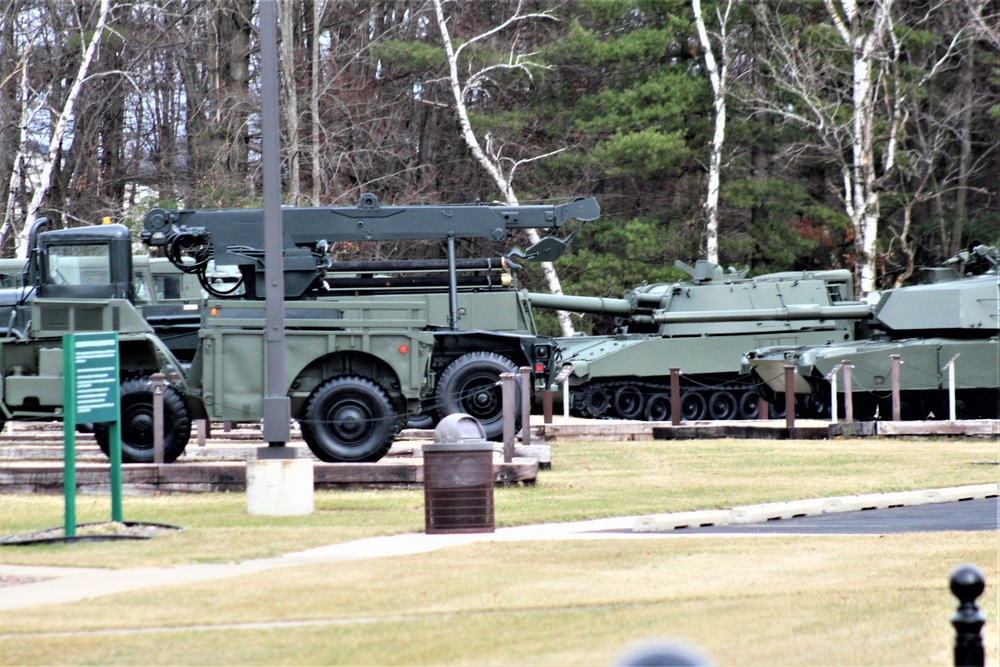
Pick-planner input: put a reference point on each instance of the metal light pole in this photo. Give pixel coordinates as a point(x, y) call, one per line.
point(277, 409)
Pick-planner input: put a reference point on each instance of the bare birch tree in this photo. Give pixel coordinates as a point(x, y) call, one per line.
point(718, 76)
point(63, 119)
point(500, 168)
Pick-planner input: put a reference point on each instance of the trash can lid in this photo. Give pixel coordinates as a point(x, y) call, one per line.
point(459, 427)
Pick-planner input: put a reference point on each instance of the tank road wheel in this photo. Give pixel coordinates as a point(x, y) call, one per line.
point(722, 406)
point(348, 419)
point(658, 408)
point(597, 401)
point(776, 408)
point(749, 405)
point(693, 406)
point(137, 423)
point(629, 403)
point(470, 384)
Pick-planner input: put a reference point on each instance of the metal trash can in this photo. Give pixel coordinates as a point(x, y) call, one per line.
point(458, 478)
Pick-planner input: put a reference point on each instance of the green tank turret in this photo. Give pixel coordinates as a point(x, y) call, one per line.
point(702, 326)
point(949, 319)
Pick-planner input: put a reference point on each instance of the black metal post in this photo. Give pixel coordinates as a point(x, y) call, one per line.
point(967, 584)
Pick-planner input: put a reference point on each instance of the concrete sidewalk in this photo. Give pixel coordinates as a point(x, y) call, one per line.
point(60, 584)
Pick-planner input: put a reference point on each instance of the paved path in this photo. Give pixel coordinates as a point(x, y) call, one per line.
point(61, 585)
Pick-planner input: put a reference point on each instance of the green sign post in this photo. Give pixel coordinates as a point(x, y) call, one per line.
point(91, 395)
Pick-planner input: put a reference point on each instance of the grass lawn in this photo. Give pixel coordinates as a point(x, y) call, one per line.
point(747, 600)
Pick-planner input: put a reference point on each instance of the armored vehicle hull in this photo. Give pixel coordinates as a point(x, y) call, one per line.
point(702, 327)
point(950, 321)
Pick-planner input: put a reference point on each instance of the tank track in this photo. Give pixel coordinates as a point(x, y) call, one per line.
point(701, 398)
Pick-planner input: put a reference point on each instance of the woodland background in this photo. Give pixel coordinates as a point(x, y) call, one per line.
point(610, 98)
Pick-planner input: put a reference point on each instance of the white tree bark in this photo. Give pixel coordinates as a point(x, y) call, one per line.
point(27, 113)
point(861, 198)
point(491, 161)
point(314, 103)
point(291, 102)
point(717, 75)
point(59, 130)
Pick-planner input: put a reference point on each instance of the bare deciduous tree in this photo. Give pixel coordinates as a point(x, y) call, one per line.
point(501, 168)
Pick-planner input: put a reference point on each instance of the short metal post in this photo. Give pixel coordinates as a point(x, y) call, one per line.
point(763, 408)
point(547, 406)
point(675, 396)
point(526, 406)
point(158, 379)
point(896, 408)
point(789, 396)
point(565, 385)
point(848, 397)
point(831, 377)
point(509, 397)
point(967, 584)
point(952, 408)
point(201, 426)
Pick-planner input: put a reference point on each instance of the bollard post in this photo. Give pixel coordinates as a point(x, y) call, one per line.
point(508, 394)
point(896, 408)
point(675, 396)
point(526, 406)
point(952, 411)
point(831, 377)
point(763, 408)
point(158, 379)
point(547, 406)
point(201, 426)
point(848, 397)
point(789, 396)
point(967, 584)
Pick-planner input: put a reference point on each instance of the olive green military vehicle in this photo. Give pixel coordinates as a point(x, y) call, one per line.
point(353, 373)
point(702, 326)
point(950, 319)
point(480, 326)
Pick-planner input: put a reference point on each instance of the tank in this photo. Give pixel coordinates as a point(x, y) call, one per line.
point(702, 326)
point(949, 318)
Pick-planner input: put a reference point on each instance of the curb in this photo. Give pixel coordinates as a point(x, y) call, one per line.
point(796, 508)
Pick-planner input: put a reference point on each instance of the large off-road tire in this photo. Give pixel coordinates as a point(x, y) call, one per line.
point(470, 385)
point(137, 423)
point(349, 419)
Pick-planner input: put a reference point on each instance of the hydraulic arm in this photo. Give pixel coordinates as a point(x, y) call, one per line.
point(235, 237)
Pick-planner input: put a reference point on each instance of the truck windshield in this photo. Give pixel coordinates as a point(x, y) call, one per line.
point(88, 264)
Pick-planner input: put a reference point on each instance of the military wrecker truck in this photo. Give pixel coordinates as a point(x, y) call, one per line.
point(355, 368)
point(480, 326)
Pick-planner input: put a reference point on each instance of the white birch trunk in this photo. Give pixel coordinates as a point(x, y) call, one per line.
point(291, 104)
point(717, 76)
point(26, 114)
point(59, 130)
point(314, 102)
point(502, 181)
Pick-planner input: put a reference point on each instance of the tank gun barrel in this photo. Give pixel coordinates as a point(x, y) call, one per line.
point(852, 310)
point(581, 304)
